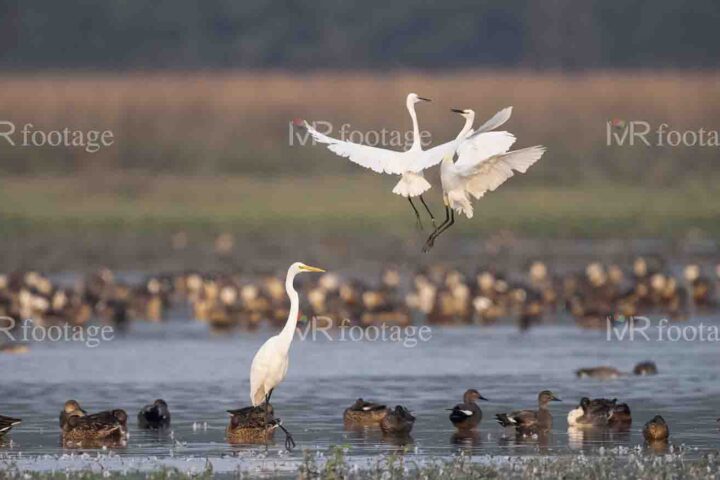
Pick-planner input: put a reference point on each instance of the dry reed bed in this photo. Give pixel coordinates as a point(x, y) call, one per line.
point(210, 121)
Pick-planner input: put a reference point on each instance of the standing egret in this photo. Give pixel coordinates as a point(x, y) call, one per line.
point(270, 363)
point(483, 164)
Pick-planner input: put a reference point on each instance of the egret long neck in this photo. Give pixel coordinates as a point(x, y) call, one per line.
point(288, 331)
point(466, 128)
point(416, 145)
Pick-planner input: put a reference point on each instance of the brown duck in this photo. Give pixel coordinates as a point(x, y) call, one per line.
point(398, 421)
point(602, 373)
point(364, 414)
point(620, 417)
point(108, 426)
point(645, 368)
point(70, 409)
point(531, 422)
point(467, 415)
point(656, 430)
point(253, 425)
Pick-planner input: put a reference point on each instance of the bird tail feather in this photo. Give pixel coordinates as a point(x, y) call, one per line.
point(411, 185)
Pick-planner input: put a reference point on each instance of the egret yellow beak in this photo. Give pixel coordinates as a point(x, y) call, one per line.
point(308, 268)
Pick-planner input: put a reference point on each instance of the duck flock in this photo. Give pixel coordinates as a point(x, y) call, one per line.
point(257, 424)
point(434, 295)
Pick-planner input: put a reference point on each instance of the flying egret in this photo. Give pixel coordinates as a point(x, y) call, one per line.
point(483, 164)
point(270, 363)
point(408, 164)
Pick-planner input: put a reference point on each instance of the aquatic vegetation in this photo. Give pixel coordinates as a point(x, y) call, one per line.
point(335, 464)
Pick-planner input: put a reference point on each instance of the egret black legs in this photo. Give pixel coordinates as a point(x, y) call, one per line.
point(289, 441)
point(432, 217)
point(417, 214)
point(265, 416)
point(447, 223)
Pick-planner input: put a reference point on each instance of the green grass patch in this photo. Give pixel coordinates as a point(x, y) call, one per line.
point(348, 204)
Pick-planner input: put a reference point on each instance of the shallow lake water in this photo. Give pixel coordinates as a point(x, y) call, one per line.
point(201, 375)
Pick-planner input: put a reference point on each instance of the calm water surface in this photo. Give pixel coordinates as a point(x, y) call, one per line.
point(201, 375)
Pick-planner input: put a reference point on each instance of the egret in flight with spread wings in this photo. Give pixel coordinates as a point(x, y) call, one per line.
point(270, 364)
point(412, 182)
point(484, 163)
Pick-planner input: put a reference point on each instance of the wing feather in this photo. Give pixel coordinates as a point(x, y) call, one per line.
point(490, 173)
point(497, 121)
point(432, 156)
point(481, 147)
point(376, 159)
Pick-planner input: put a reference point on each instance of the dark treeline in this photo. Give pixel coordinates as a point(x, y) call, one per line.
point(548, 34)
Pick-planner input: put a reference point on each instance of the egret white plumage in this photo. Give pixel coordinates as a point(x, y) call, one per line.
point(408, 164)
point(484, 163)
point(270, 364)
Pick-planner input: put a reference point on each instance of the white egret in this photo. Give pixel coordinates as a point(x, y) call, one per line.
point(483, 164)
point(270, 363)
point(408, 164)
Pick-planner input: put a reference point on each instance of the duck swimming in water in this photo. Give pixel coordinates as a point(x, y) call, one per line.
point(591, 413)
point(531, 422)
point(70, 409)
point(467, 415)
point(154, 416)
point(398, 421)
point(255, 425)
point(620, 417)
point(645, 368)
point(656, 430)
point(364, 414)
point(7, 423)
point(601, 373)
point(108, 426)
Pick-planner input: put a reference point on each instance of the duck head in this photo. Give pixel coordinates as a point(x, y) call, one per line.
point(473, 395)
point(546, 396)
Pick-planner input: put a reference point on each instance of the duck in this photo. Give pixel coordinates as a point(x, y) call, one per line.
point(591, 413)
point(110, 426)
point(467, 415)
point(656, 430)
point(620, 416)
point(363, 413)
point(255, 425)
point(155, 415)
point(601, 373)
point(645, 368)
point(530, 422)
point(7, 423)
point(251, 424)
point(70, 409)
point(398, 421)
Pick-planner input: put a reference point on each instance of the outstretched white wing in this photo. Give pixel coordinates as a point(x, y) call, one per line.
point(490, 173)
point(433, 156)
point(481, 147)
point(376, 159)
point(496, 121)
